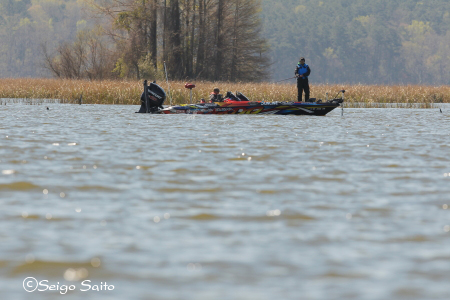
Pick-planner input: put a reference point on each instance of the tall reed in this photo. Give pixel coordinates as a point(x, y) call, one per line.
point(129, 92)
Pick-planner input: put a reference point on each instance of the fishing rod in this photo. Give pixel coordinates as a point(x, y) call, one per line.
point(285, 79)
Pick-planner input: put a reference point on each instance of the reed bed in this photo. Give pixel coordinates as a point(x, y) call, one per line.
point(129, 92)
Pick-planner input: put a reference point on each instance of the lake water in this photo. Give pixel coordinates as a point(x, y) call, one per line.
point(224, 207)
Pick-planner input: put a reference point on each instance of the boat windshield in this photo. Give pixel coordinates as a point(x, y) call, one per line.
point(241, 97)
point(231, 96)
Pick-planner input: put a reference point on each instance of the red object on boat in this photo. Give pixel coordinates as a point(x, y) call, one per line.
point(236, 102)
point(189, 86)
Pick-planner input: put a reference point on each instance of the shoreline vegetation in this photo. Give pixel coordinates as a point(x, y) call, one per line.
point(129, 92)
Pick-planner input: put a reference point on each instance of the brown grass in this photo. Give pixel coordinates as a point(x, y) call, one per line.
point(128, 92)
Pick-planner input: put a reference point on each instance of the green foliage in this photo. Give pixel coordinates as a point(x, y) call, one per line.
point(123, 21)
point(147, 69)
point(121, 68)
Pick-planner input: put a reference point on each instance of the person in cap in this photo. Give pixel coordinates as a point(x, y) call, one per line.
point(302, 72)
point(215, 96)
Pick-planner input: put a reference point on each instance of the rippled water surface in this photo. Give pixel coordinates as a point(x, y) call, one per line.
point(225, 207)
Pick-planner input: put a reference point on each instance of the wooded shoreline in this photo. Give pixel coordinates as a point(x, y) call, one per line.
point(129, 92)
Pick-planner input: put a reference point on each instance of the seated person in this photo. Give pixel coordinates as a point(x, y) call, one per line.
point(215, 96)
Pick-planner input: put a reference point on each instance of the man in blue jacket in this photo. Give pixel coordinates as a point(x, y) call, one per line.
point(302, 72)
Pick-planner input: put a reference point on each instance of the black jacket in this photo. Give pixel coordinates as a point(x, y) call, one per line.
point(216, 97)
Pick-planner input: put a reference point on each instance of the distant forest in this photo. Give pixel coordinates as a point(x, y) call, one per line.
point(343, 41)
point(361, 41)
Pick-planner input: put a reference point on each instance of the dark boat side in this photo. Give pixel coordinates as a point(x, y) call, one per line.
point(154, 96)
point(282, 108)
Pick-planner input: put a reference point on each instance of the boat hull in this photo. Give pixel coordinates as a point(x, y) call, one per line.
point(282, 108)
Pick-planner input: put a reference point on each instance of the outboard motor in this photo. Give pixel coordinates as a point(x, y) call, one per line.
point(152, 98)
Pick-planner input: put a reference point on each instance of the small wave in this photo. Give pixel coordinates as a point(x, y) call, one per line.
point(320, 178)
point(270, 192)
point(27, 216)
point(403, 178)
point(18, 186)
point(325, 207)
point(3, 263)
point(48, 217)
point(377, 209)
point(185, 171)
point(48, 267)
point(180, 190)
point(96, 188)
point(334, 274)
point(408, 293)
point(238, 158)
point(204, 217)
point(75, 159)
point(262, 218)
point(166, 161)
point(409, 239)
point(14, 161)
point(297, 217)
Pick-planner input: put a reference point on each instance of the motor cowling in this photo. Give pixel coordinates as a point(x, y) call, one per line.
point(155, 98)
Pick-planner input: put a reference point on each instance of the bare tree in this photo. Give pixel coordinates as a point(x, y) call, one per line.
point(206, 39)
point(87, 57)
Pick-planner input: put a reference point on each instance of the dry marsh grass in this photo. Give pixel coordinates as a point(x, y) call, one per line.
point(128, 92)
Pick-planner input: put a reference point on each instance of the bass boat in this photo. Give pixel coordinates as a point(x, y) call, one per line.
point(153, 97)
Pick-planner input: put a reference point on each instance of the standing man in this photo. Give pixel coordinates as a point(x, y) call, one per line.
point(302, 72)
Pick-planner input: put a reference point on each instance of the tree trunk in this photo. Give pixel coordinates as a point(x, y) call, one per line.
point(234, 42)
point(191, 50)
point(176, 63)
point(220, 40)
point(201, 38)
point(153, 32)
point(164, 31)
point(187, 8)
